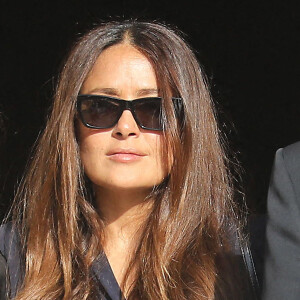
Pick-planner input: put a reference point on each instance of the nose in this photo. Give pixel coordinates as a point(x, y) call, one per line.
point(126, 126)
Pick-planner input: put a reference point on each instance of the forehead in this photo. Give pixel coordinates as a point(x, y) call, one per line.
point(121, 67)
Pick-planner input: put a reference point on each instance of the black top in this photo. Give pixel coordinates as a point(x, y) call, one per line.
point(107, 286)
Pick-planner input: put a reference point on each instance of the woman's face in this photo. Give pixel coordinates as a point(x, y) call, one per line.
point(125, 156)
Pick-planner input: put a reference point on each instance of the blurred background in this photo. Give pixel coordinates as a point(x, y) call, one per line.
point(248, 49)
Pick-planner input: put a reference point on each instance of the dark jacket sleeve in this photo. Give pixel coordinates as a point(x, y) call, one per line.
point(9, 250)
point(282, 261)
point(2, 277)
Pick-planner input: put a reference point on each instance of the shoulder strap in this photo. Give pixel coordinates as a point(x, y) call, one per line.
point(249, 263)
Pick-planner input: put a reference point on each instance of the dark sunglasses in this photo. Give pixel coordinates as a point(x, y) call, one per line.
point(100, 112)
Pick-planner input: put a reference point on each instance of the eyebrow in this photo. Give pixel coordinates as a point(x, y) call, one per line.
point(107, 91)
point(146, 92)
point(116, 92)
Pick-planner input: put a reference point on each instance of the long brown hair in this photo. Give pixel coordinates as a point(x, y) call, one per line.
point(187, 230)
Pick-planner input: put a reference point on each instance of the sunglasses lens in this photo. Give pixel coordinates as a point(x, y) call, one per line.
point(149, 113)
point(99, 113)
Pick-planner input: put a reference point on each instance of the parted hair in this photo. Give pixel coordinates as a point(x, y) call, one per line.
point(186, 233)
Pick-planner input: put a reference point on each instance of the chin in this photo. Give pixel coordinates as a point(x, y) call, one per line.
point(128, 183)
point(126, 186)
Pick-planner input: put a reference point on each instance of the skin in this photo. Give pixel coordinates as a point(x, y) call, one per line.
point(122, 181)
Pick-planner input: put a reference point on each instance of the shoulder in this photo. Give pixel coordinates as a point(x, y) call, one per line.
point(7, 238)
point(2, 277)
point(292, 151)
point(10, 251)
point(287, 167)
point(291, 158)
point(9, 244)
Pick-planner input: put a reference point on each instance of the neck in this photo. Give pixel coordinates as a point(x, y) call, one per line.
point(123, 211)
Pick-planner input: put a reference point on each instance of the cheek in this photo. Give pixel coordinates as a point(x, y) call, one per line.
point(92, 147)
point(92, 154)
point(164, 155)
point(162, 160)
point(90, 140)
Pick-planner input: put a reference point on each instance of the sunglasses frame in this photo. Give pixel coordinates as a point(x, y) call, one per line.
point(124, 105)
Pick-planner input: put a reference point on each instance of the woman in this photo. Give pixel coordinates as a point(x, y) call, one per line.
point(128, 194)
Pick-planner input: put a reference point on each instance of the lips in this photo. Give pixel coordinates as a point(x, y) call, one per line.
point(125, 155)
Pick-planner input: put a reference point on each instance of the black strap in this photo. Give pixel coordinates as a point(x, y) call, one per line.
point(249, 263)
